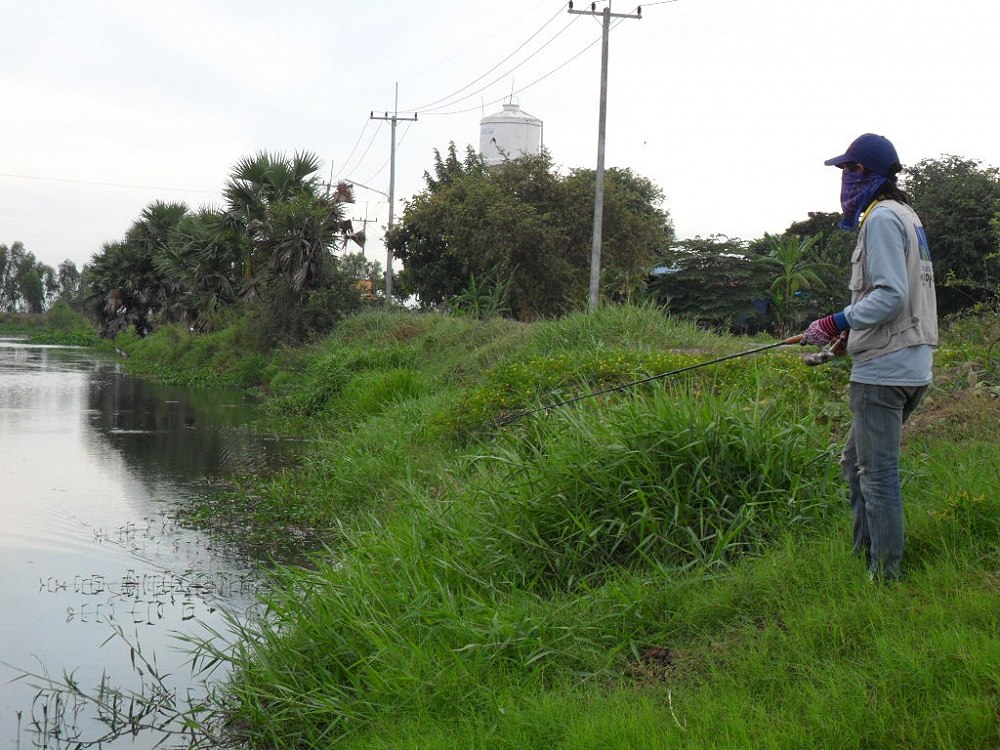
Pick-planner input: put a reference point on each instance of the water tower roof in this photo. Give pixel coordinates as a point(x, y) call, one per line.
point(512, 113)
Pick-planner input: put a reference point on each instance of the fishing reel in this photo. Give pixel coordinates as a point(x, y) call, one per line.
point(836, 348)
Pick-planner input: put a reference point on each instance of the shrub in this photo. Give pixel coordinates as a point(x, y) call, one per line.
point(679, 480)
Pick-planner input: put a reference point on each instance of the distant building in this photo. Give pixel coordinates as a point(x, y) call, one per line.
point(509, 134)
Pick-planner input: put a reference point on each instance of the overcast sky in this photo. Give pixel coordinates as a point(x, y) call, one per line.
point(730, 106)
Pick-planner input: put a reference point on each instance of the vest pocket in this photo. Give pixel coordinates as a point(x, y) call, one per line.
point(857, 282)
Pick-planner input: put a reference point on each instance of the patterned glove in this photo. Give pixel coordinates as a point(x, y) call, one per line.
point(824, 330)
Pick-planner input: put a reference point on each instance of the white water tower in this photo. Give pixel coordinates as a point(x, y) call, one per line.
point(511, 133)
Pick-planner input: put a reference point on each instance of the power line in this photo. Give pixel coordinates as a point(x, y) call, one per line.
point(499, 78)
point(398, 144)
point(368, 148)
point(472, 46)
point(432, 104)
point(355, 148)
point(525, 87)
point(106, 184)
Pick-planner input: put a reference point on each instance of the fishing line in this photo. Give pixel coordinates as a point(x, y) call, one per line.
point(514, 417)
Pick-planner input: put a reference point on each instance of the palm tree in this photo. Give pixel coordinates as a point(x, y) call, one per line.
point(290, 227)
point(276, 235)
point(201, 260)
point(124, 284)
point(116, 282)
point(795, 273)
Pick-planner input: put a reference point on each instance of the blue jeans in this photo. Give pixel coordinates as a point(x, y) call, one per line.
point(870, 465)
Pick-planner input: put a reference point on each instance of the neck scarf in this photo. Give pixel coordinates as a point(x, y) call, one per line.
point(856, 191)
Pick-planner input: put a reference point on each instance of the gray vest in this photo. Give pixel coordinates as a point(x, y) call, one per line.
point(917, 323)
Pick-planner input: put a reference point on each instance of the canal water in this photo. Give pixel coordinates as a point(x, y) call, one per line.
point(97, 576)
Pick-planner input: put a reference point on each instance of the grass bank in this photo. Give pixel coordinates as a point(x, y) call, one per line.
point(60, 325)
point(666, 566)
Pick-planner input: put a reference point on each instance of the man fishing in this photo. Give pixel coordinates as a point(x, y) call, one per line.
point(891, 324)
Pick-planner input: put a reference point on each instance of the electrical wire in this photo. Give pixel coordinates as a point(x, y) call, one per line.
point(368, 148)
point(399, 143)
point(443, 101)
point(431, 110)
point(355, 148)
point(617, 22)
point(527, 86)
point(475, 45)
point(106, 184)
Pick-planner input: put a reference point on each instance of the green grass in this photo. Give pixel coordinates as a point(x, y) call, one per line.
point(58, 326)
point(666, 566)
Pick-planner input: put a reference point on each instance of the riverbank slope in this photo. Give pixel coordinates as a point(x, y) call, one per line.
point(664, 566)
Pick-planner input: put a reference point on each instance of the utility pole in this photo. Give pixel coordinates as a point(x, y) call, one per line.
point(393, 119)
point(595, 252)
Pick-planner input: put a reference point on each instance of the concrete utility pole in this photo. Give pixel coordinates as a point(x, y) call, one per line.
point(595, 253)
point(393, 119)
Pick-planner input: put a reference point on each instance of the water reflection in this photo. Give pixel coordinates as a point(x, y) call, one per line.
point(92, 460)
point(169, 432)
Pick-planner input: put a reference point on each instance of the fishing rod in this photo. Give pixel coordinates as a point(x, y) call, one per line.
point(514, 417)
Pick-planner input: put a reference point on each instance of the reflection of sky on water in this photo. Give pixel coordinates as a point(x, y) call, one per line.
point(88, 460)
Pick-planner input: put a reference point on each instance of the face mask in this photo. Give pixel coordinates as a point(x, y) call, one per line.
point(857, 190)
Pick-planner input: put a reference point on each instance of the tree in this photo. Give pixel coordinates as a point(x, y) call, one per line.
point(288, 231)
point(32, 291)
point(716, 281)
point(68, 283)
point(287, 224)
point(635, 229)
point(201, 260)
point(273, 243)
point(433, 268)
point(957, 199)
point(359, 268)
point(793, 272)
point(26, 284)
point(832, 255)
point(524, 225)
point(124, 286)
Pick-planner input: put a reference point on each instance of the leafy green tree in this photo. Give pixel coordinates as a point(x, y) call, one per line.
point(298, 241)
point(68, 282)
point(716, 281)
point(26, 284)
point(117, 289)
point(957, 199)
point(832, 253)
point(32, 291)
point(794, 271)
point(359, 268)
point(524, 223)
point(449, 169)
point(433, 267)
point(288, 230)
point(507, 224)
point(635, 229)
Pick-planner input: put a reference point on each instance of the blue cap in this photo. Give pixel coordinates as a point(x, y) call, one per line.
point(875, 152)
